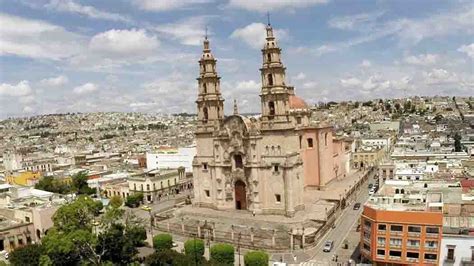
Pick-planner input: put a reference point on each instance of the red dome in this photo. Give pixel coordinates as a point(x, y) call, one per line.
point(297, 103)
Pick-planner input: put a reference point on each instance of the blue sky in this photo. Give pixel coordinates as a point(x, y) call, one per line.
point(62, 56)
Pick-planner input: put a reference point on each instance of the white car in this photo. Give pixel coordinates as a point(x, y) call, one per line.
point(372, 191)
point(328, 246)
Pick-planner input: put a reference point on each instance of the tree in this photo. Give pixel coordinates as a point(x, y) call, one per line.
point(116, 202)
point(134, 200)
point(48, 183)
point(457, 143)
point(162, 242)
point(194, 249)
point(26, 255)
point(222, 254)
point(256, 258)
point(79, 184)
point(115, 246)
point(77, 215)
point(168, 257)
point(397, 107)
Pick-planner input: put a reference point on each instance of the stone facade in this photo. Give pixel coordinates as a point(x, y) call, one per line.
point(262, 165)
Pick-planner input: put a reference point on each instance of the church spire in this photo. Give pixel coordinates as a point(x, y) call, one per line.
point(210, 103)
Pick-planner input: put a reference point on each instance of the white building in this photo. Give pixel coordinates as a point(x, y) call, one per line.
point(457, 250)
point(171, 159)
point(384, 142)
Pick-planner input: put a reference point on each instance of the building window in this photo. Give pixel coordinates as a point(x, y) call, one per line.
point(429, 256)
point(276, 168)
point(142, 186)
point(134, 186)
point(382, 227)
point(395, 242)
point(206, 114)
point(208, 194)
point(367, 224)
point(161, 184)
point(310, 142)
point(278, 198)
point(450, 255)
point(396, 228)
point(205, 87)
point(271, 108)
point(301, 139)
point(413, 255)
point(432, 230)
point(270, 79)
point(27, 219)
point(204, 166)
point(298, 120)
point(414, 229)
point(238, 161)
point(395, 253)
point(413, 243)
point(20, 241)
point(380, 252)
point(326, 139)
point(431, 244)
point(381, 241)
point(269, 57)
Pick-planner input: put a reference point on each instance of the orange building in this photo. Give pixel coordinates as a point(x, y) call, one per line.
point(401, 237)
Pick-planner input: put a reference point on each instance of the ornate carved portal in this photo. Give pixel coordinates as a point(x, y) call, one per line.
point(240, 195)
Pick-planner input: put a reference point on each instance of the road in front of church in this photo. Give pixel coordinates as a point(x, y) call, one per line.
point(347, 221)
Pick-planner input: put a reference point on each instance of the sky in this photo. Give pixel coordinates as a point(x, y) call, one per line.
point(59, 56)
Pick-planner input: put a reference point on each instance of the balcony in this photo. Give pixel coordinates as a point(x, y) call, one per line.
point(449, 261)
point(412, 259)
point(394, 258)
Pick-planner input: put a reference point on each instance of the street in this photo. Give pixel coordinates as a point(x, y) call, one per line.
point(344, 223)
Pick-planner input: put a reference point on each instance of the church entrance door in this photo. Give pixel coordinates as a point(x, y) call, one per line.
point(240, 195)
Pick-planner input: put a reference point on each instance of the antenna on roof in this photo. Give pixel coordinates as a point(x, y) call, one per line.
point(205, 36)
point(268, 18)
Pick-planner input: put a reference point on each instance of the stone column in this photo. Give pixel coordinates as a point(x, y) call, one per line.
point(291, 241)
point(182, 227)
point(273, 238)
point(199, 231)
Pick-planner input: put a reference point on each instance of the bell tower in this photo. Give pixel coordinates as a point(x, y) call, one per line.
point(274, 94)
point(210, 103)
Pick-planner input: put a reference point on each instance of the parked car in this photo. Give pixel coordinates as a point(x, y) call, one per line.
point(372, 191)
point(371, 185)
point(146, 208)
point(357, 206)
point(328, 246)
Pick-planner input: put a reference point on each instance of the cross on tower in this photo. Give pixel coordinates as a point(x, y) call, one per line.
point(268, 18)
point(205, 36)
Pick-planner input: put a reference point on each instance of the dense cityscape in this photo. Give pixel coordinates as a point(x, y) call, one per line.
point(305, 180)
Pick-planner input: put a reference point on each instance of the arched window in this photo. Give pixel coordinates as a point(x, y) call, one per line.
point(204, 87)
point(270, 79)
point(269, 57)
point(402, 191)
point(148, 187)
point(238, 161)
point(397, 191)
point(206, 115)
point(310, 143)
point(326, 139)
point(142, 187)
point(271, 108)
point(134, 186)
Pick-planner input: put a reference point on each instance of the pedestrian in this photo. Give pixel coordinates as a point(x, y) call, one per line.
point(336, 258)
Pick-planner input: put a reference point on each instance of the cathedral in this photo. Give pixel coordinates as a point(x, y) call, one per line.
point(263, 164)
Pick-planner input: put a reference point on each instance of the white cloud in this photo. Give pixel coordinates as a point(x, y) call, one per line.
point(439, 76)
point(55, 81)
point(88, 11)
point(85, 88)
point(357, 21)
point(365, 63)
point(271, 5)
point(28, 109)
point(254, 34)
point(468, 49)
point(167, 5)
point(310, 85)
point(118, 43)
point(36, 39)
point(350, 82)
point(422, 59)
point(189, 31)
point(248, 86)
point(299, 76)
point(19, 90)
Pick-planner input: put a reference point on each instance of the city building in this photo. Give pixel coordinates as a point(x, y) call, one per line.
point(171, 158)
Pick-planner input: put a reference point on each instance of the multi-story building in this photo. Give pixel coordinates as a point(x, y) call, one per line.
point(365, 157)
point(171, 158)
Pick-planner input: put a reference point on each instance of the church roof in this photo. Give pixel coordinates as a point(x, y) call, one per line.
point(297, 103)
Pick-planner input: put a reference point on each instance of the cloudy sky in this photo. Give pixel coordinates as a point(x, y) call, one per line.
point(62, 56)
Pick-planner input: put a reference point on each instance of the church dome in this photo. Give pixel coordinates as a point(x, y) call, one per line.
point(297, 103)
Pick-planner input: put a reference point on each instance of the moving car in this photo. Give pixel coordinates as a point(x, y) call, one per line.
point(146, 208)
point(357, 206)
point(328, 245)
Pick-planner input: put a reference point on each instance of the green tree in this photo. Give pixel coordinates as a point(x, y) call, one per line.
point(44, 260)
point(77, 215)
point(48, 183)
point(256, 258)
point(26, 255)
point(194, 249)
point(162, 242)
point(60, 248)
point(116, 201)
point(457, 143)
point(115, 246)
point(134, 200)
point(79, 184)
point(222, 254)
